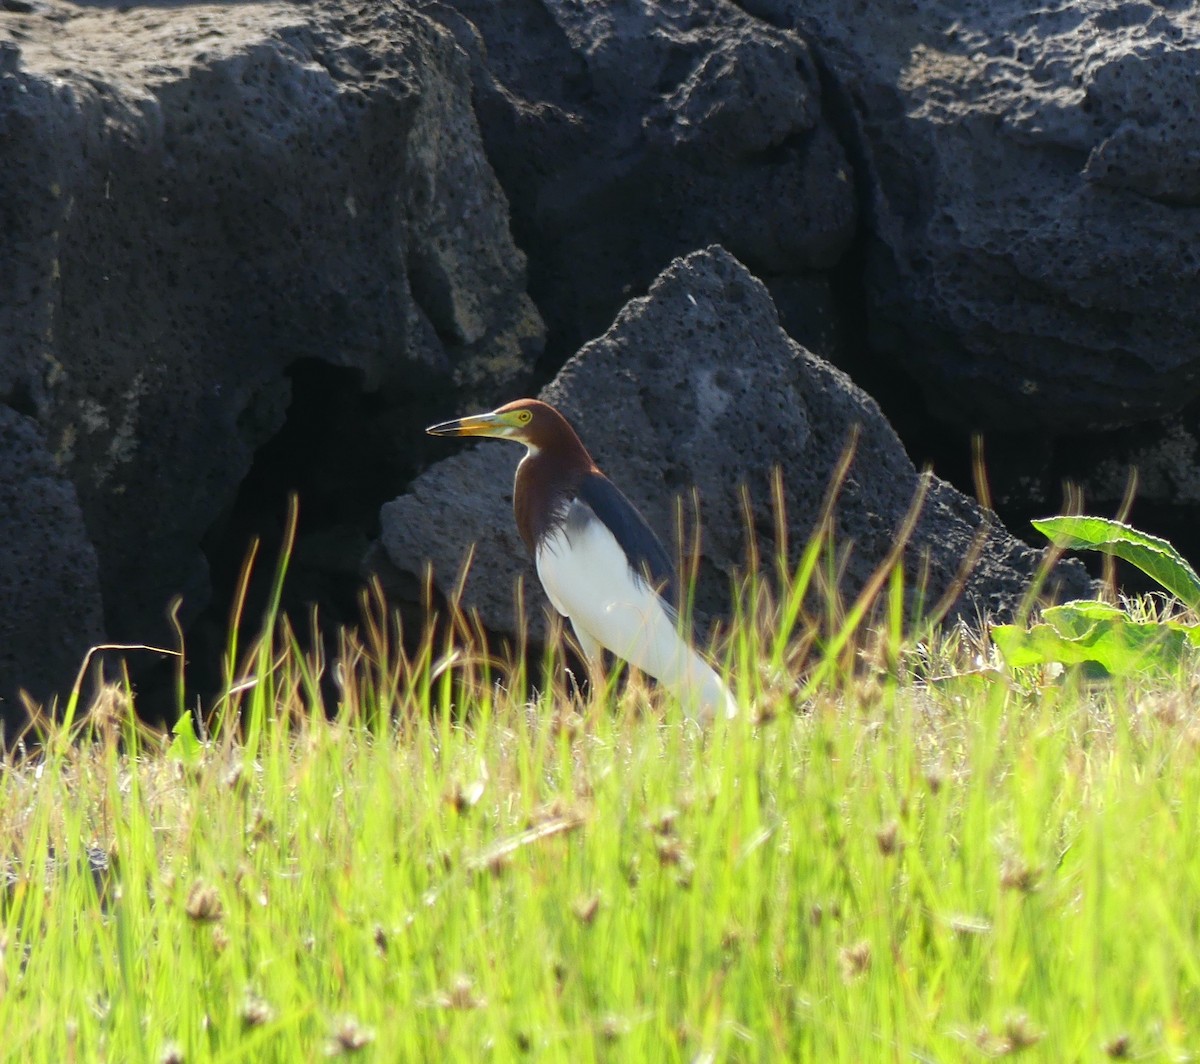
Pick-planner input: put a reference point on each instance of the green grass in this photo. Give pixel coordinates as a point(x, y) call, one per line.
point(919, 858)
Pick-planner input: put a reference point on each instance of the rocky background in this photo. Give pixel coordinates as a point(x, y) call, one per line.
point(255, 248)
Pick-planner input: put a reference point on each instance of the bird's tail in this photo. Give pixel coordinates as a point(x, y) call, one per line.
point(703, 693)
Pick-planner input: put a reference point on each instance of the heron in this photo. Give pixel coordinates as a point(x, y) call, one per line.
point(598, 560)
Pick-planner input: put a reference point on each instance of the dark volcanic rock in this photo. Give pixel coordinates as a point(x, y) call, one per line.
point(49, 586)
point(696, 384)
point(626, 134)
point(1035, 200)
point(1166, 457)
point(194, 198)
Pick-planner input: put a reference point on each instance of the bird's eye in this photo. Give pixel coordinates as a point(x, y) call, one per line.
point(525, 417)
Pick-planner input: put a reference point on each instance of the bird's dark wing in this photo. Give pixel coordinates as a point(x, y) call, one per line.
point(647, 556)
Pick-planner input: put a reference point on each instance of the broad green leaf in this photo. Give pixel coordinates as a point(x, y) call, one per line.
point(1076, 618)
point(1097, 632)
point(1038, 645)
point(1154, 556)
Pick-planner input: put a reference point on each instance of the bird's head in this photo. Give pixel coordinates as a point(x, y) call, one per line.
point(529, 421)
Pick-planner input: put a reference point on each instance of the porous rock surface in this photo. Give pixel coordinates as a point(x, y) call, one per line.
point(626, 134)
point(1033, 176)
point(198, 201)
point(697, 385)
point(192, 199)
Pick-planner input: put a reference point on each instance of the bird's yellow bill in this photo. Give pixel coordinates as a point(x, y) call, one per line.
point(476, 425)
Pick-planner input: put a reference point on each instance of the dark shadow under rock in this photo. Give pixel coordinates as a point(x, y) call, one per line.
point(697, 385)
point(50, 609)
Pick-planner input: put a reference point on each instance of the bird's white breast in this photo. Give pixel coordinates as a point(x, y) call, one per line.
point(587, 578)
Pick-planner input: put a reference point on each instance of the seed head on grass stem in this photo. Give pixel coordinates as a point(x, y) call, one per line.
point(349, 1036)
point(203, 903)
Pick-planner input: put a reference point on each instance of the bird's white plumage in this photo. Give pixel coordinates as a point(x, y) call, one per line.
point(587, 578)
